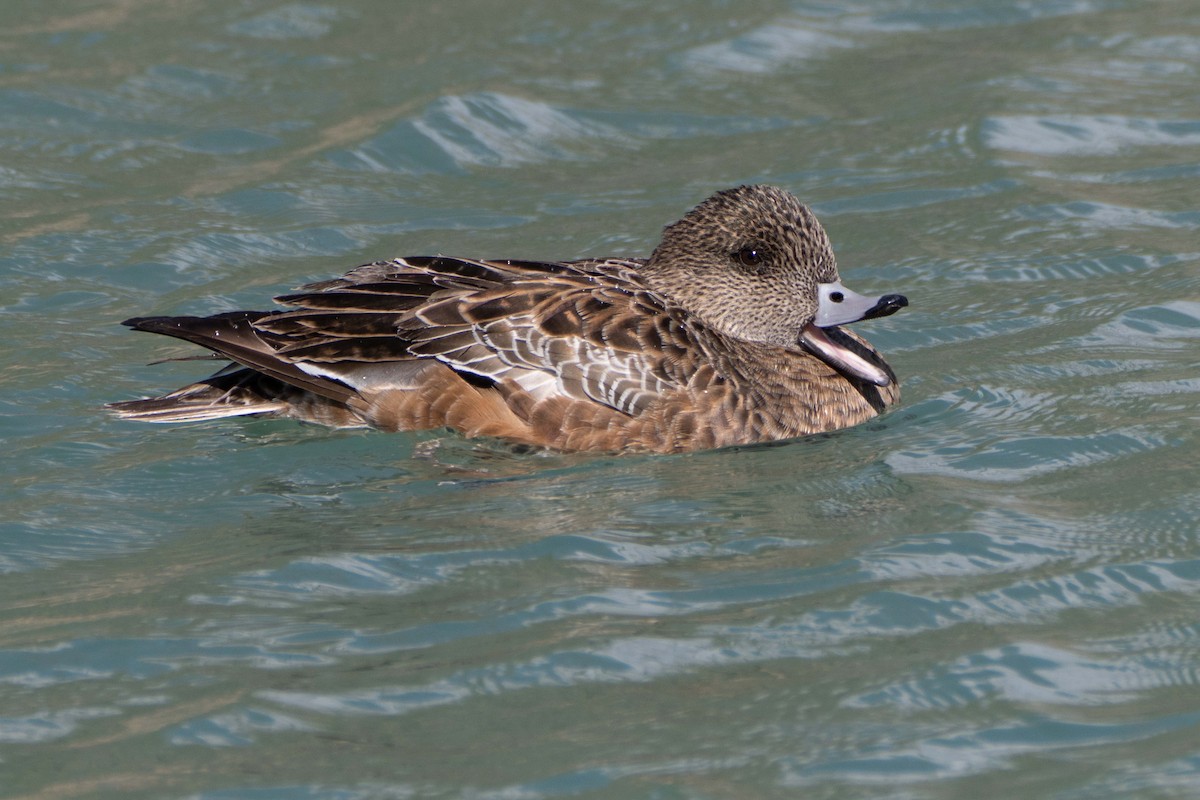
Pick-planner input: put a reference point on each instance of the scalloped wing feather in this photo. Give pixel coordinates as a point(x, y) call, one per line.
point(581, 330)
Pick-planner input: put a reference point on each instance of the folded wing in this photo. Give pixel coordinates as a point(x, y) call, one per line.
point(539, 336)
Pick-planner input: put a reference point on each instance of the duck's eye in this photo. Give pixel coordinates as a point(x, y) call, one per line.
point(750, 257)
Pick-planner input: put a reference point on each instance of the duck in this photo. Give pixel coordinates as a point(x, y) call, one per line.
point(730, 333)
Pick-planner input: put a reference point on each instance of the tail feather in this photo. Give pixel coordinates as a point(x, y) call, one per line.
point(232, 335)
point(171, 409)
point(232, 392)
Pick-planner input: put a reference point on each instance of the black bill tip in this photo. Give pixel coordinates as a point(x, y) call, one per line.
point(887, 305)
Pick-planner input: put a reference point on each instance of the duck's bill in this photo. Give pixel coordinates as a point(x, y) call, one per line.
point(841, 358)
point(837, 305)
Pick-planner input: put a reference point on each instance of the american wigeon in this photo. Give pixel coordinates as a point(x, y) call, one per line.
point(730, 333)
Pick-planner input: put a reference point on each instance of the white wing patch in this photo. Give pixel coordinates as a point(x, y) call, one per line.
point(619, 380)
point(514, 349)
point(540, 384)
point(371, 377)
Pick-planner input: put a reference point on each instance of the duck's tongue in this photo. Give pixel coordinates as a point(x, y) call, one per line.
point(817, 342)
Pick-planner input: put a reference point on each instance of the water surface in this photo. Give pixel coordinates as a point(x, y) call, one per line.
point(990, 591)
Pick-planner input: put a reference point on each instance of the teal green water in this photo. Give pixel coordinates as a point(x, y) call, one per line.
point(993, 591)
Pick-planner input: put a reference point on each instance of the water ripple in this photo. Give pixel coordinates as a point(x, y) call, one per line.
point(766, 49)
point(638, 659)
point(48, 726)
point(1026, 673)
point(956, 754)
point(236, 729)
point(1080, 134)
point(292, 21)
point(1106, 216)
point(494, 129)
point(1012, 459)
point(1169, 326)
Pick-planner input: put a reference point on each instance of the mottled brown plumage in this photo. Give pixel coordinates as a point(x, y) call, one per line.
point(728, 334)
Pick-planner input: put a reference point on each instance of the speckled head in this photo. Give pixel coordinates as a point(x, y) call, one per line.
point(754, 263)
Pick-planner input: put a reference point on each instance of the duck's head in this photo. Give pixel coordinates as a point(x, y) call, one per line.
point(754, 263)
